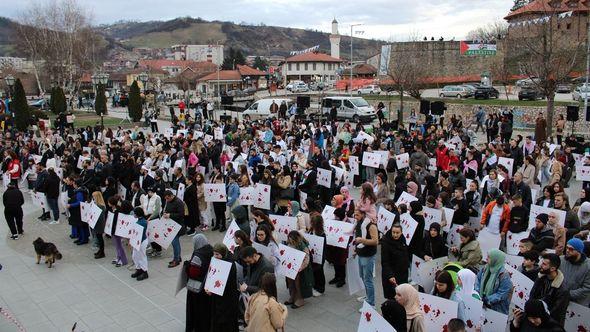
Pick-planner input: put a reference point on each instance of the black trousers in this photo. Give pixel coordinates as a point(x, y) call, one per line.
point(100, 240)
point(319, 279)
point(340, 272)
point(154, 126)
point(14, 219)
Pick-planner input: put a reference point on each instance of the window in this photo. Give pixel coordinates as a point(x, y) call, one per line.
point(290, 67)
point(558, 26)
point(323, 64)
point(306, 66)
point(568, 26)
point(314, 66)
point(297, 66)
point(348, 104)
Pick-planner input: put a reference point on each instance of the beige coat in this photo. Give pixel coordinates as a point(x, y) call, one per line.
point(556, 171)
point(201, 198)
point(264, 314)
point(529, 174)
point(283, 182)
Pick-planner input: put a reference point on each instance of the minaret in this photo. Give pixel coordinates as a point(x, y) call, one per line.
point(335, 40)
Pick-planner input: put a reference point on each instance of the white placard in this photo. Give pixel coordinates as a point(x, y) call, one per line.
point(371, 159)
point(576, 318)
point(262, 249)
point(353, 163)
point(423, 272)
point(316, 247)
point(246, 196)
point(122, 191)
point(339, 174)
point(328, 212)
point(514, 261)
point(94, 215)
point(5, 180)
point(508, 163)
point(217, 276)
point(215, 192)
point(108, 224)
point(85, 211)
point(124, 222)
point(409, 226)
point(384, 220)
point(432, 164)
point(353, 276)
point(453, 237)
point(135, 236)
point(180, 191)
point(371, 321)
point(583, 173)
point(431, 216)
point(513, 241)
point(324, 177)
point(338, 233)
point(218, 133)
point(39, 199)
point(488, 241)
point(207, 139)
point(406, 199)
point(283, 225)
point(229, 237)
point(473, 311)
point(81, 159)
point(262, 196)
point(291, 260)
point(522, 286)
point(402, 161)
point(494, 321)
point(162, 231)
point(537, 209)
point(437, 311)
point(449, 213)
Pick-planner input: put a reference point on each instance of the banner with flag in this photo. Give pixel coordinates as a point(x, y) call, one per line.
point(477, 48)
point(311, 49)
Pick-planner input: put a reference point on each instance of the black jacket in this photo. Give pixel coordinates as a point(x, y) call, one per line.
point(52, 186)
point(254, 273)
point(542, 239)
point(394, 263)
point(13, 199)
point(519, 219)
point(553, 294)
point(176, 210)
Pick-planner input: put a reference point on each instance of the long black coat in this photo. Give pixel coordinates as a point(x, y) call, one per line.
point(198, 305)
point(394, 263)
point(224, 309)
point(190, 199)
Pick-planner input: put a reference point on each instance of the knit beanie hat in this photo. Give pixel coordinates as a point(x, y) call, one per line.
point(577, 244)
point(543, 217)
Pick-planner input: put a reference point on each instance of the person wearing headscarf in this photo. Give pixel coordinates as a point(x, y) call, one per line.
point(465, 290)
point(413, 189)
point(348, 205)
point(416, 244)
point(335, 255)
point(240, 213)
point(224, 309)
point(395, 314)
point(198, 303)
point(433, 246)
point(394, 260)
point(534, 318)
point(494, 284)
point(294, 210)
point(407, 296)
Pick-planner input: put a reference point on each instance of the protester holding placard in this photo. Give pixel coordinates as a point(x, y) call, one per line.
point(433, 245)
point(444, 285)
point(293, 210)
point(469, 253)
point(576, 271)
point(139, 256)
point(319, 278)
point(225, 308)
point(75, 219)
point(174, 209)
point(534, 318)
point(191, 202)
point(465, 290)
point(366, 241)
point(198, 303)
point(394, 260)
point(265, 238)
point(407, 296)
point(529, 267)
point(572, 223)
point(219, 207)
point(100, 224)
point(494, 284)
point(256, 266)
point(541, 235)
point(116, 208)
point(416, 243)
point(367, 201)
point(264, 313)
point(301, 287)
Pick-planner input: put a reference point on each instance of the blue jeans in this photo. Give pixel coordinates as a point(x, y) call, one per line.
point(52, 202)
point(366, 265)
point(176, 248)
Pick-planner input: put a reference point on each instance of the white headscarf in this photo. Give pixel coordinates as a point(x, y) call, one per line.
point(468, 279)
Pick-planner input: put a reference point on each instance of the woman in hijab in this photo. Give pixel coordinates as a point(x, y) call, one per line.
point(413, 189)
point(394, 260)
point(240, 213)
point(494, 284)
point(465, 289)
point(407, 296)
point(415, 245)
point(301, 287)
point(294, 210)
point(534, 318)
point(395, 314)
point(224, 309)
point(434, 246)
point(336, 255)
point(198, 303)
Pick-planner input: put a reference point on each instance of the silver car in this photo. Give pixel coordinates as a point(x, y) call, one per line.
point(455, 91)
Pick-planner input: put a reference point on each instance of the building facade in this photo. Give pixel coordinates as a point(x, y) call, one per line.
point(311, 66)
point(210, 53)
point(335, 41)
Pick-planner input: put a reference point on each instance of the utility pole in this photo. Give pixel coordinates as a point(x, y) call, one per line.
point(585, 90)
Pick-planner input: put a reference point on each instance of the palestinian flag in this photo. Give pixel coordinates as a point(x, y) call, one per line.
point(476, 48)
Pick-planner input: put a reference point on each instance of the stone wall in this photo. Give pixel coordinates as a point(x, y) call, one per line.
point(524, 116)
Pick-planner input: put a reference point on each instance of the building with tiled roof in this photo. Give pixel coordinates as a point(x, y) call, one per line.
point(227, 80)
point(311, 66)
point(175, 67)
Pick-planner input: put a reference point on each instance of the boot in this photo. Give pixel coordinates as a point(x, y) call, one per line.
point(137, 273)
point(222, 228)
point(142, 276)
point(216, 227)
point(99, 254)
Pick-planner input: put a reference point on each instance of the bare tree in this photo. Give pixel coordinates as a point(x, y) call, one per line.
point(540, 49)
point(407, 72)
point(58, 37)
point(492, 31)
point(501, 72)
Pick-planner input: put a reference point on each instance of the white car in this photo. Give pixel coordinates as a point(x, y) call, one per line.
point(581, 92)
point(369, 89)
point(300, 87)
point(292, 84)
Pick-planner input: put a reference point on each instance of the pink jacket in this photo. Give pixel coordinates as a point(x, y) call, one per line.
point(368, 207)
point(193, 160)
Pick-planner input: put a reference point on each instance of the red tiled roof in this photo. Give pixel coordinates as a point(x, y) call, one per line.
point(224, 75)
point(364, 69)
point(249, 71)
point(312, 57)
point(544, 7)
point(160, 63)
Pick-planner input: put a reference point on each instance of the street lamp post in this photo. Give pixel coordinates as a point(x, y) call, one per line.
point(351, 37)
point(10, 82)
point(143, 78)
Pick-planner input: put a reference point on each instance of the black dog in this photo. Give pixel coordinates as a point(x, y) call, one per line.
point(47, 249)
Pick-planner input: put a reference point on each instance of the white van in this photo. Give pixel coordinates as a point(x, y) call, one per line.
point(354, 108)
point(260, 109)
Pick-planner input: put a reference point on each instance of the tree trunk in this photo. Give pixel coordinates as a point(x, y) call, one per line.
point(400, 112)
point(550, 109)
point(506, 91)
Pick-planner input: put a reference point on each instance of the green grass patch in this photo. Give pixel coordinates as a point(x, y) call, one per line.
point(84, 119)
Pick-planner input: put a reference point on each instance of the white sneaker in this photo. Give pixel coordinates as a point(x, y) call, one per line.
point(361, 299)
point(316, 293)
point(55, 222)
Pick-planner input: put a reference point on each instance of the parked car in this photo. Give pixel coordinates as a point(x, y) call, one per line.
point(486, 92)
point(470, 88)
point(292, 84)
point(454, 91)
point(355, 108)
point(530, 93)
point(300, 87)
point(527, 82)
point(39, 104)
point(235, 93)
point(581, 92)
point(260, 109)
point(316, 86)
point(369, 89)
point(564, 88)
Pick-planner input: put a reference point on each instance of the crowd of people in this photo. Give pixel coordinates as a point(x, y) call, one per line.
point(132, 172)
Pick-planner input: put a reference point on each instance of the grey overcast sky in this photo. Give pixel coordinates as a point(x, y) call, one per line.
point(381, 19)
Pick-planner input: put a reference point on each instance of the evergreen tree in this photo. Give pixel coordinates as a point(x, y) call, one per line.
point(20, 107)
point(52, 100)
point(233, 58)
point(100, 103)
point(260, 64)
point(134, 106)
point(58, 103)
point(519, 4)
